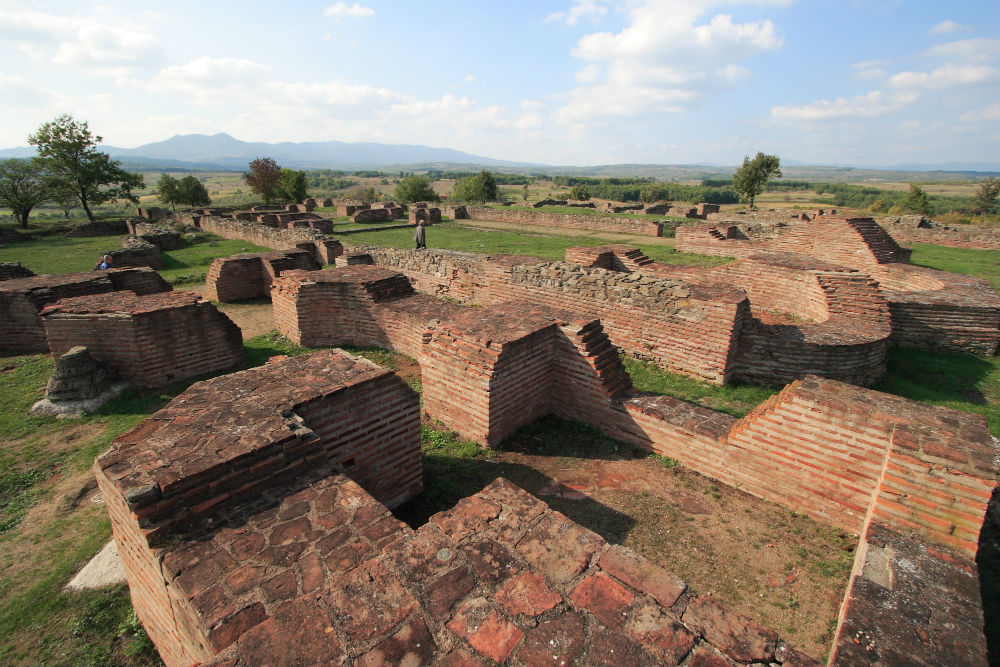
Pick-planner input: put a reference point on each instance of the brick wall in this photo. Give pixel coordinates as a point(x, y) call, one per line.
point(248, 276)
point(917, 229)
point(688, 329)
point(150, 340)
point(230, 464)
point(22, 299)
point(569, 221)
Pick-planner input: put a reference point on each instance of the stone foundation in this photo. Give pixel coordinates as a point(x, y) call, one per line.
point(12, 270)
point(22, 299)
point(569, 221)
point(324, 249)
point(150, 340)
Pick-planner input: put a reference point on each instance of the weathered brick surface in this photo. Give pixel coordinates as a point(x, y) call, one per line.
point(908, 603)
point(150, 340)
point(248, 276)
point(22, 299)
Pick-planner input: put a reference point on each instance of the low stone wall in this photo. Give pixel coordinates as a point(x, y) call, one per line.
point(428, 215)
point(22, 299)
point(151, 340)
point(11, 270)
point(136, 251)
point(371, 215)
point(99, 228)
point(161, 236)
point(324, 248)
point(249, 276)
point(917, 229)
point(569, 221)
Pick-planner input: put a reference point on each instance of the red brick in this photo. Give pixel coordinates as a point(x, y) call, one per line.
point(486, 631)
point(369, 600)
point(740, 638)
point(645, 577)
point(411, 646)
point(554, 643)
point(440, 595)
point(613, 648)
point(608, 600)
point(527, 594)
point(299, 634)
point(667, 639)
point(559, 548)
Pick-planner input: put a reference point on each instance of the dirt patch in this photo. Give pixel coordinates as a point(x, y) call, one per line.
point(253, 316)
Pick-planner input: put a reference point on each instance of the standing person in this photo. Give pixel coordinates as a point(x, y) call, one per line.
point(419, 235)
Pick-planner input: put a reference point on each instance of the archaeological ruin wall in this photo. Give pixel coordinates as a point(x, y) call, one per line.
point(569, 221)
point(150, 340)
point(22, 299)
point(323, 247)
point(249, 275)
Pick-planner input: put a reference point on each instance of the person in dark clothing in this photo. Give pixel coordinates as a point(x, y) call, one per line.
point(419, 235)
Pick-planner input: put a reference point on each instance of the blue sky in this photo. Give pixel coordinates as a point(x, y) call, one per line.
point(578, 82)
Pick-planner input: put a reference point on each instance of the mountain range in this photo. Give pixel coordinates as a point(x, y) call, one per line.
point(223, 152)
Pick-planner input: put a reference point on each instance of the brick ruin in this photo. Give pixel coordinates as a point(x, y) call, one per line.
point(256, 531)
point(929, 309)
point(151, 340)
point(22, 300)
point(250, 275)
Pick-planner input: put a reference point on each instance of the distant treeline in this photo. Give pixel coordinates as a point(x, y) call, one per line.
point(650, 190)
point(859, 196)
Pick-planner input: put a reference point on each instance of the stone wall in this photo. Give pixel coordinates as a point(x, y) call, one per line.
point(11, 270)
point(150, 340)
point(21, 300)
point(917, 229)
point(569, 221)
point(249, 276)
point(99, 228)
point(161, 236)
point(324, 248)
point(136, 251)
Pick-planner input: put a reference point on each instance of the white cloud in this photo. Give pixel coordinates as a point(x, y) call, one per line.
point(102, 44)
point(947, 76)
point(868, 70)
point(343, 9)
point(581, 8)
point(668, 58)
point(990, 113)
point(869, 105)
point(978, 49)
point(469, 78)
point(946, 28)
point(20, 94)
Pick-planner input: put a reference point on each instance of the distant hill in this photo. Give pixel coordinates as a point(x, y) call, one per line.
point(221, 152)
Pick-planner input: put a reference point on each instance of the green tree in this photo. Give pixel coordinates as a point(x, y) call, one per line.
point(365, 195)
point(293, 185)
point(264, 178)
point(524, 192)
point(69, 156)
point(916, 201)
point(877, 206)
point(192, 192)
point(480, 188)
point(415, 188)
point(167, 190)
point(986, 201)
point(751, 179)
point(651, 193)
point(22, 187)
point(580, 192)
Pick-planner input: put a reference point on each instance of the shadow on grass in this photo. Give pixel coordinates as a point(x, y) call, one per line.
point(455, 468)
point(958, 381)
point(988, 561)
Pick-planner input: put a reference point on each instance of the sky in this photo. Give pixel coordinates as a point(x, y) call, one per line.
point(572, 82)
